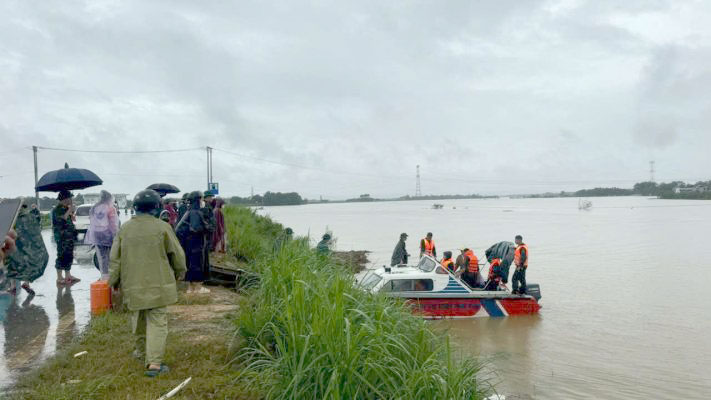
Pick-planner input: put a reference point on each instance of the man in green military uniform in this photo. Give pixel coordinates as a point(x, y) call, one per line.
point(324, 246)
point(64, 236)
point(146, 262)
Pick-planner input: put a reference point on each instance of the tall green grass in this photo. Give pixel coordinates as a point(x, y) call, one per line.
point(250, 236)
point(309, 333)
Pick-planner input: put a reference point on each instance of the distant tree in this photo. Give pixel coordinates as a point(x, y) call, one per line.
point(282, 199)
point(602, 192)
point(645, 188)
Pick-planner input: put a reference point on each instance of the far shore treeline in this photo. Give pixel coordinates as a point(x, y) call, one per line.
point(671, 190)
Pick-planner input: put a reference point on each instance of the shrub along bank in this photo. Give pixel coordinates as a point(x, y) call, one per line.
point(308, 332)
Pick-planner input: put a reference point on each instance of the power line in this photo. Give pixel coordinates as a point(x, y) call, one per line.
point(121, 151)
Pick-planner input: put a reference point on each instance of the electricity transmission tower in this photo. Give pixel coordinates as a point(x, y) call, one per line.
point(651, 171)
point(418, 190)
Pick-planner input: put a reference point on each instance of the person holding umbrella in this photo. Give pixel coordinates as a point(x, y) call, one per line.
point(65, 235)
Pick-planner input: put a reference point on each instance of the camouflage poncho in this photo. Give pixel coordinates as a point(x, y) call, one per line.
point(30, 260)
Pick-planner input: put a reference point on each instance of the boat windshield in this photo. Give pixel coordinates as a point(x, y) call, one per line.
point(370, 281)
point(426, 264)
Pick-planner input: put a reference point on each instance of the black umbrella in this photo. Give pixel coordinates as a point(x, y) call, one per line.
point(163, 188)
point(67, 179)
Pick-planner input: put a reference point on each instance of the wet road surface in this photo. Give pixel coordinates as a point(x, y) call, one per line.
point(33, 328)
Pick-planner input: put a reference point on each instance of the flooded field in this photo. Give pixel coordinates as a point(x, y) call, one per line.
point(625, 310)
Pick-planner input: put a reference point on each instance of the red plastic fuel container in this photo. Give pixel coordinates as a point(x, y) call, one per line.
point(100, 297)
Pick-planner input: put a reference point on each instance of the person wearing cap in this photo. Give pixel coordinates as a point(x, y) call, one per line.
point(65, 234)
point(323, 247)
point(146, 263)
point(521, 262)
point(427, 246)
point(400, 254)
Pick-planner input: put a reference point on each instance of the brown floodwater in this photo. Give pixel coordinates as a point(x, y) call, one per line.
point(625, 288)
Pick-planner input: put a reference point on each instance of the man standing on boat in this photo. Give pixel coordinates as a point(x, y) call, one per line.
point(400, 253)
point(468, 264)
point(521, 262)
point(427, 246)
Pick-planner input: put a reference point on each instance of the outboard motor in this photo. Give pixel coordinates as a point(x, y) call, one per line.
point(534, 290)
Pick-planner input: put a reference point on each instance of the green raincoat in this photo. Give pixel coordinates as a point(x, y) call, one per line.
point(146, 261)
point(30, 260)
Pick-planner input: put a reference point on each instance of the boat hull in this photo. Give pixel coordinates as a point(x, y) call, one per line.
point(441, 308)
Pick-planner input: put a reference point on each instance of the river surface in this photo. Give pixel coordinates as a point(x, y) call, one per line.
point(625, 285)
point(33, 328)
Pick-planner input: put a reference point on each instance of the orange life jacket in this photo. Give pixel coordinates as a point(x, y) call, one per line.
point(448, 263)
point(429, 247)
point(473, 262)
point(494, 263)
point(517, 256)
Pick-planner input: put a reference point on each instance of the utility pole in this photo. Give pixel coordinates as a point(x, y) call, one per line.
point(34, 151)
point(252, 193)
point(209, 166)
point(651, 171)
point(418, 189)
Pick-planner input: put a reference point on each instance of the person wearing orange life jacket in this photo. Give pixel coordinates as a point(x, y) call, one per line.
point(447, 261)
point(468, 263)
point(494, 274)
point(521, 256)
point(427, 246)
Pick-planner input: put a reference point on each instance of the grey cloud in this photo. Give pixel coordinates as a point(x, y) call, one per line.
point(469, 90)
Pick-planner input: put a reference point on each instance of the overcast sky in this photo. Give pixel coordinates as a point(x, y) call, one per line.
point(491, 97)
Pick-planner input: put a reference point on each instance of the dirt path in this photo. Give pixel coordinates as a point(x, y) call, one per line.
point(201, 328)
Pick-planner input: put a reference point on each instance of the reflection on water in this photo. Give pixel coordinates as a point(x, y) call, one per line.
point(66, 326)
point(503, 341)
point(25, 329)
point(624, 285)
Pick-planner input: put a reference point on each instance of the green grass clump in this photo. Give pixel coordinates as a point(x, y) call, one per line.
point(308, 333)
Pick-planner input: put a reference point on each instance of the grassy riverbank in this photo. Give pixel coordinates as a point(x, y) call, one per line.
point(308, 332)
point(299, 329)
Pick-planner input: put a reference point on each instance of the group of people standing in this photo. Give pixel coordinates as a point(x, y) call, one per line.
point(467, 267)
point(145, 257)
point(200, 228)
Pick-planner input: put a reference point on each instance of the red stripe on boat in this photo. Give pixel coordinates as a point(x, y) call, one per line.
point(520, 306)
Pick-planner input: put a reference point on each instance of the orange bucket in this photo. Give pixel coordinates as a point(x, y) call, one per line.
point(100, 297)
